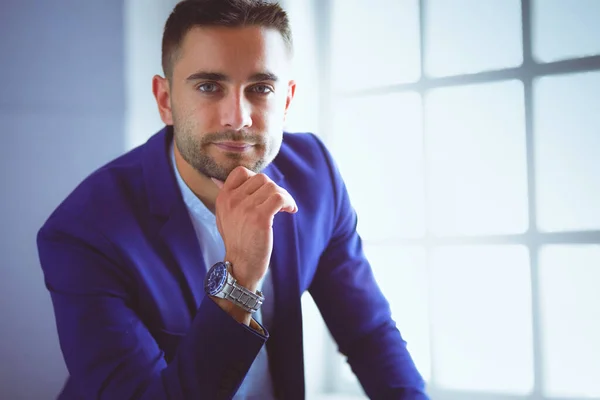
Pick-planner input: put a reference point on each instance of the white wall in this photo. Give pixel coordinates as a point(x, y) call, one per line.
point(144, 22)
point(304, 114)
point(61, 113)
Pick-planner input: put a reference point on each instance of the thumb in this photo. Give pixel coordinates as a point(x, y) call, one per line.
point(218, 183)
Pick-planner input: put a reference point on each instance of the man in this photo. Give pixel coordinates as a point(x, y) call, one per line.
point(176, 270)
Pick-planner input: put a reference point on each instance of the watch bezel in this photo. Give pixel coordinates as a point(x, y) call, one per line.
point(220, 268)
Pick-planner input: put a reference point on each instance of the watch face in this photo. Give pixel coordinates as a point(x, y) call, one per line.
point(215, 279)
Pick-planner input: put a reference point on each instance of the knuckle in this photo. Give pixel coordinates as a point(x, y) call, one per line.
point(278, 197)
point(262, 179)
point(271, 186)
point(242, 171)
point(235, 173)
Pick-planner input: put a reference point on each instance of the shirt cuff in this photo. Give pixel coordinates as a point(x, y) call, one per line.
point(257, 327)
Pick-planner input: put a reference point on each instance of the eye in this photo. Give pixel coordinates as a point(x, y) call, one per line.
point(208, 87)
point(262, 89)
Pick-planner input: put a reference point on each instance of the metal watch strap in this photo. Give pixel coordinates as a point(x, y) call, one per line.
point(240, 296)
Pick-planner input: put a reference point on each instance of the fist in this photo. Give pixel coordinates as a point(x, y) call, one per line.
point(244, 209)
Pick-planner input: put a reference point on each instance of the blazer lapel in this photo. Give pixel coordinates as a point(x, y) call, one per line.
point(180, 238)
point(177, 232)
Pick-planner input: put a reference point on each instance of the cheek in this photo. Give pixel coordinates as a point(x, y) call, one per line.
point(204, 115)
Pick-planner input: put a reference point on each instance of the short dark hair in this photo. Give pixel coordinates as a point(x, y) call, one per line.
point(188, 14)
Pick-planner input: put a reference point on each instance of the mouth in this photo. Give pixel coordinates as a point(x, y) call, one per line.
point(234, 147)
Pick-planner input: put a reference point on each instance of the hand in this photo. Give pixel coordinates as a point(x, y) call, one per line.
point(245, 207)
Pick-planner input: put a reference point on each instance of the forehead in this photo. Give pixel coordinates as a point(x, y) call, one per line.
point(237, 52)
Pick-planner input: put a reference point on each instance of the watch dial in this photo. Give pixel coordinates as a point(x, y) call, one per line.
point(215, 279)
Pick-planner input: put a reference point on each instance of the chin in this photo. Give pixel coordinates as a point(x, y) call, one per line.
point(255, 167)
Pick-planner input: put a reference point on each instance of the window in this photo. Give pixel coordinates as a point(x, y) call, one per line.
point(468, 132)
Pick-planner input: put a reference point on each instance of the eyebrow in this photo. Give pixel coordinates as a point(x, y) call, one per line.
point(219, 77)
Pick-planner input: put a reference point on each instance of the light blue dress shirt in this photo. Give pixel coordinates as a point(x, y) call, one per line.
point(258, 383)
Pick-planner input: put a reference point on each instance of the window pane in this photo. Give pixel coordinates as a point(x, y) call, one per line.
point(303, 116)
point(402, 276)
point(565, 29)
point(570, 302)
point(567, 144)
point(477, 159)
point(469, 36)
point(482, 337)
point(378, 143)
point(315, 336)
point(374, 48)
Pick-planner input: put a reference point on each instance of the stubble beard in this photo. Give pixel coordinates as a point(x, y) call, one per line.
point(194, 150)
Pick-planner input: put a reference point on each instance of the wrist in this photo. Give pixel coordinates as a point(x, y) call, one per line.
point(239, 271)
point(239, 314)
point(251, 285)
point(237, 297)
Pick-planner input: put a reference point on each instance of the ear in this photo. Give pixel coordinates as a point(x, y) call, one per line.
point(290, 96)
point(162, 94)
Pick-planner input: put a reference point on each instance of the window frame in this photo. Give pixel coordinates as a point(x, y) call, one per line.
point(533, 238)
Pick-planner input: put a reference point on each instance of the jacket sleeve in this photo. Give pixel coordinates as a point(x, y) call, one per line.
point(110, 353)
point(355, 310)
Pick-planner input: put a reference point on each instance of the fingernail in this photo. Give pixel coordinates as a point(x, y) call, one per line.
point(217, 182)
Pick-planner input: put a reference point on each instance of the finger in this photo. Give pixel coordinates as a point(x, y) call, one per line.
point(278, 201)
point(237, 177)
point(254, 184)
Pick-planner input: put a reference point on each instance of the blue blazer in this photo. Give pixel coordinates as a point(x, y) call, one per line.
point(125, 272)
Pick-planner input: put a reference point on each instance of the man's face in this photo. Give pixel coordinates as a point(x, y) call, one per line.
point(229, 95)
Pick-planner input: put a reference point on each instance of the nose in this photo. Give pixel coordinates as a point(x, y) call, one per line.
point(236, 112)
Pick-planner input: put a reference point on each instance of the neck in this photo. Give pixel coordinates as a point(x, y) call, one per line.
point(202, 186)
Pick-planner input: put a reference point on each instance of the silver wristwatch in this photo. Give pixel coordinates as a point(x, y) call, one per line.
point(220, 283)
